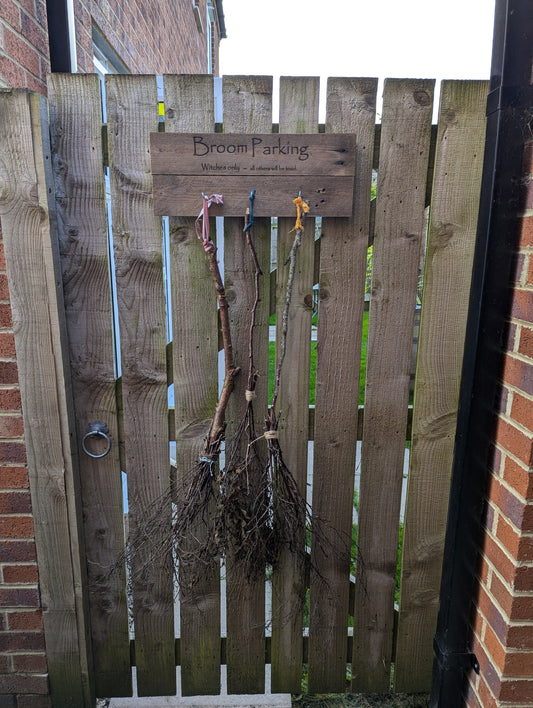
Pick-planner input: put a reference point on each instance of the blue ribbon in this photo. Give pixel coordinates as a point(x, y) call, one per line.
point(251, 215)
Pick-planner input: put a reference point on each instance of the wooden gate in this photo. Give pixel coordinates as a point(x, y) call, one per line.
point(415, 202)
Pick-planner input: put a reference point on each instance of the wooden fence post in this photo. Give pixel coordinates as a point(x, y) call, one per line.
point(26, 208)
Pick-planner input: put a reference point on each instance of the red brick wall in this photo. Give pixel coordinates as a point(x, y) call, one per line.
point(154, 37)
point(149, 37)
point(24, 57)
point(504, 622)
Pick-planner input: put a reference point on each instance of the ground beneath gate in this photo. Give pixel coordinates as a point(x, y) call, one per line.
point(349, 700)
point(352, 700)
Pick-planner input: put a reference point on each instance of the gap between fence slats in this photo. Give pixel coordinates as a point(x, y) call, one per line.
point(75, 126)
point(404, 153)
point(247, 103)
point(298, 113)
point(451, 241)
point(195, 377)
point(132, 115)
point(351, 107)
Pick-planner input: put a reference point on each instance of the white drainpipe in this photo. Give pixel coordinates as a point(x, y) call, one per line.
point(71, 28)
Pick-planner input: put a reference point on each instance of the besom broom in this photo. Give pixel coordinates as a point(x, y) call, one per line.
point(195, 538)
point(261, 508)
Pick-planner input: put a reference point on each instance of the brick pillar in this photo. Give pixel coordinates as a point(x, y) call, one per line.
point(23, 668)
point(503, 630)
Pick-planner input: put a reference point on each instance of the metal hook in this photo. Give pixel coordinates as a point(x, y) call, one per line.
point(251, 215)
point(96, 429)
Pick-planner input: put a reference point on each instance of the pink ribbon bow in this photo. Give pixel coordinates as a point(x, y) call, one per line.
point(202, 231)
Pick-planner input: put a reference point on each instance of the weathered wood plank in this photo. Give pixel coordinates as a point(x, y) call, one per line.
point(405, 140)
point(225, 154)
point(75, 126)
point(247, 105)
point(452, 232)
point(298, 113)
point(132, 114)
point(189, 105)
point(26, 210)
point(351, 107)
point(311, 428)
point(174, 194)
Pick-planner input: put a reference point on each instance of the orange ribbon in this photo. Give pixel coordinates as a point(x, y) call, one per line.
point(301, 206)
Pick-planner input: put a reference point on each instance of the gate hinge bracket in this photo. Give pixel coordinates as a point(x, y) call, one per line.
point(454, 659)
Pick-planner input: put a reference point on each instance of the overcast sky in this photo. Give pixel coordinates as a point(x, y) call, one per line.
point(381, 38)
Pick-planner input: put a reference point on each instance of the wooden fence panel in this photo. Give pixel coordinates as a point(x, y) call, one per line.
point(337, 263)
point(76, 128)
point(32, 261)
point(402, 173)
point(132, 114)
point(189, 106)
point(298, 113)
point(450, 250)
point(344, 243)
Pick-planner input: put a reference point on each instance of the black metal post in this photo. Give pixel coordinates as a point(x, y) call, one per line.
point(509, 116)
point(58, 36)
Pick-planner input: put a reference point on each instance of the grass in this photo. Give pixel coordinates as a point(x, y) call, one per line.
point(350, 700)
point(312, 386)
point(312, 373)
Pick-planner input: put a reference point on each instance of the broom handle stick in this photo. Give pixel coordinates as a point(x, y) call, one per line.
point(252, 377)
point(217, 426)
point(285, 318)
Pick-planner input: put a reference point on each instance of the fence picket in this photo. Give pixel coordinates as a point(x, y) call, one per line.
point(248, 109)
point(344, 243)
point(132, 114)
point(299, 98)
point(402, 174)
point(451, 240)
point(195, 366)
point(27, 210)
point(75, 127)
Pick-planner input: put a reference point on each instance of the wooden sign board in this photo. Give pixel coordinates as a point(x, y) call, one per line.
point(278, 166)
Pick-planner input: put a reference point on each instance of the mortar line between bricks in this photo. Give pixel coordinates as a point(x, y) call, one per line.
point(483, 680)
point(498, 513)
point(518, 462)
point(521, 323)
point(28, 44)
point(487, 651)
point(515, 389)
point(504, 482)
point(522, 534)
point(516, 594)
point(517, 564)
point(525, 431)
point(504, 550)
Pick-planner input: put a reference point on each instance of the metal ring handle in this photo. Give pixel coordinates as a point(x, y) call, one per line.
point(96, 429)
